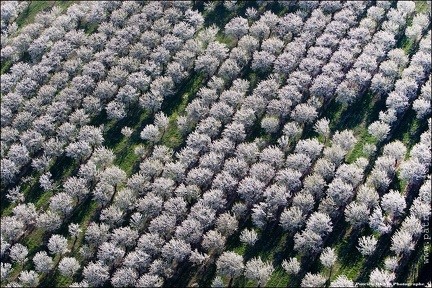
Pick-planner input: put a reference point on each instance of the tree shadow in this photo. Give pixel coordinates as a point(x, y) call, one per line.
point(409, 265)
point(348, 254)
point(61, 165)
point(358, 112)
point(381, 251)
point(206, 277)
point(182, 275)
point(269, 242)
point(409, 129)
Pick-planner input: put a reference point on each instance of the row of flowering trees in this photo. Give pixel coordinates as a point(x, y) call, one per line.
point(183, 206)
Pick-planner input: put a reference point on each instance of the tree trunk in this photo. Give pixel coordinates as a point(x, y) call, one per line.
point(115, 192)
point(73, 243)
point(230, 282)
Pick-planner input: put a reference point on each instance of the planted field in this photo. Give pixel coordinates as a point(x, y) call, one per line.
point(228, 143)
